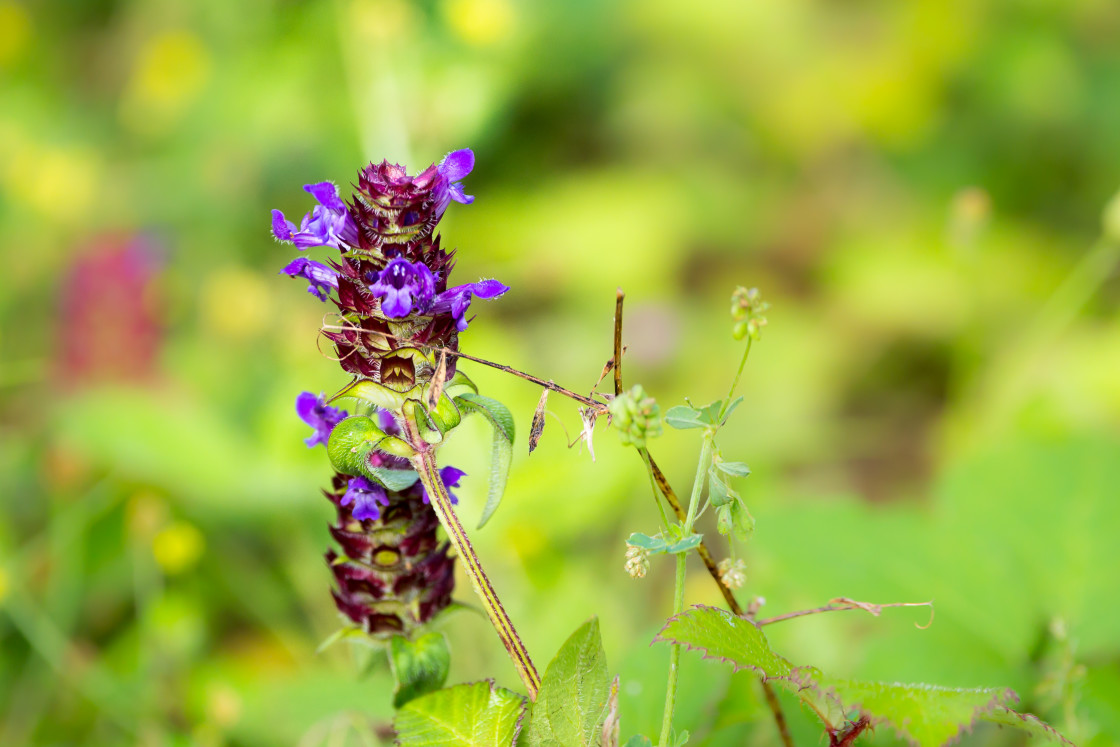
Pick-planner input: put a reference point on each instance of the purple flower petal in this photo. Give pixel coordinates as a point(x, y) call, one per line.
point(365, 497)
point(282, 228)
point(456, 192)
point(327, 195)
point(323, 279)
point(458, 299)
point(404, 286)
point(319, 415)
point(450, 477)
point(457, 164)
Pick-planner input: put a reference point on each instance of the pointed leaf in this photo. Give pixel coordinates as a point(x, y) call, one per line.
point(1028, 722)
point(474, 715)
point(419, 666)
point(730, 409)
point(501, 451)
point(719, 634)
point(658, 545)
point(572, 704)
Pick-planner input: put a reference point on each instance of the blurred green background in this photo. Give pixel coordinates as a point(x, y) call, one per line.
point(933, 412)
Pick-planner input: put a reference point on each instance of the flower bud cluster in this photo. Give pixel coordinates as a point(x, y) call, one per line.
point(748, 310)
point(637, 561)
point(733, 573)
point(636, 416)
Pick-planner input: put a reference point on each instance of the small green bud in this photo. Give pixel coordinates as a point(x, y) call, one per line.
point(636, 416)
point(637, 561)
point(733, 573)
point(747, 309)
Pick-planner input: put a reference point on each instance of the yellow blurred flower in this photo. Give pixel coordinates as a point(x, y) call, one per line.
point(15, 31)
point(178, 547)
point(236, 303)
point(57, 181)
point(171, 71)
point(479, 22)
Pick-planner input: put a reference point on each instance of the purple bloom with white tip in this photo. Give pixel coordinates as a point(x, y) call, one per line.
point(450, 477)
point(404, 286)
point(328, 224)
point(322, 278)
point(315, 411)
point(365, 498)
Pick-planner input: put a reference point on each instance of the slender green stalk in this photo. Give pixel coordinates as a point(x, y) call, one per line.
point(735, 381)
point(425, 465)
point(678, 601)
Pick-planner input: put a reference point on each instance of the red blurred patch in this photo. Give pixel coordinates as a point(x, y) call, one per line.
point(110, 325)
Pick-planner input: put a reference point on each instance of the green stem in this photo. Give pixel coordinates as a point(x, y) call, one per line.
point(425, 465)
point(678, 600)
point(735, 381)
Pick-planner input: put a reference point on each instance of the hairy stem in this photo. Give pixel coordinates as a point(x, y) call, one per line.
point(425, 465)
point(678, 601)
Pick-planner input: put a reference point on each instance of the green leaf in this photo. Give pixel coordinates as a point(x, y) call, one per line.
point(719, 493)
point(377, 394)
point(924, 715)
point(351, 442)
point(474, 715)
point(393, 479)
point(1028, 722)
point(730, 409)
point(572, 704)
point(709, 414)
point(638, 740)
point(742, 522)
point(735, 469)
point(683, 417)
point(719, 634)
point(657, 545)
point(419, 666)
point(501, 451)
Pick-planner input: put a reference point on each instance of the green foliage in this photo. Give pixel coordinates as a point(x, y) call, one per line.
point(659, 544)
point(474, 715)
point(419, 666)
point(720, 634)
point(501, 450)
point(353, 440)
point(925, 715)
point(573, 701)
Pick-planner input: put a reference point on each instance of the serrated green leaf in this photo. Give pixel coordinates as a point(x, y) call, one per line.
point(683, 417)
point(474, 715)
point(719, 634)
point(419, 666)
point(658, 545)
point(501, 449)
point(924, 715)
point(735, 469)
point(1028, 722)
point(572, 704)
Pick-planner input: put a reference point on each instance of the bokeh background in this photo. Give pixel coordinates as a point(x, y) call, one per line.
point(933, 412)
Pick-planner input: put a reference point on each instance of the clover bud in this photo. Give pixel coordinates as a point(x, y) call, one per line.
point(637, 561)
point(747, 309)
point(636, 416)
point(733, 573)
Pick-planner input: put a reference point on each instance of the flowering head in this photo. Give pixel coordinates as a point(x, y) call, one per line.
point(402, 286)
point(748, 311)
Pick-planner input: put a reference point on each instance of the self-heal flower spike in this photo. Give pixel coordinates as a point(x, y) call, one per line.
point(314, 411)
point(364, 498)
point(322, 278)
point(403, 286)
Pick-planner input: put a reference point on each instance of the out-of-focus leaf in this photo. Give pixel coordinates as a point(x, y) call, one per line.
point(572, 704)
point(419, 666)
point(474, 715)
point(638, 740)
point(735, 469)
point(730, 409)
point(1028, 722)
point(683, 417)
point(657, 545)
point(501, 454)
point(719, 492)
